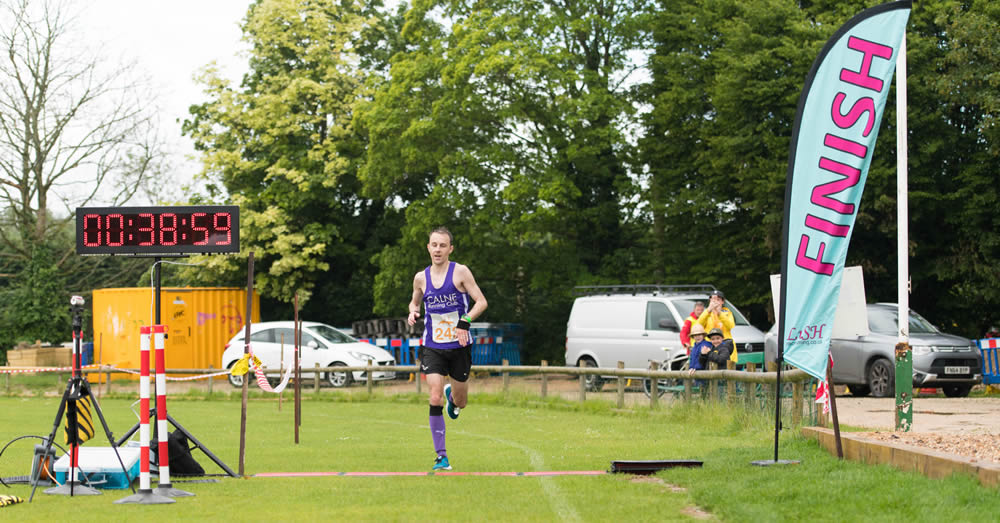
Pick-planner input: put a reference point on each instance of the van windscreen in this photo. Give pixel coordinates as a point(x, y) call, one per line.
point(685, 306)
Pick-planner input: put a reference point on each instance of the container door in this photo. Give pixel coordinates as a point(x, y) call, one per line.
point(177, 315)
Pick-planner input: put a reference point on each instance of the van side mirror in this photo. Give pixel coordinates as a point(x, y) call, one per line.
point(668, 324)
point(312, 344)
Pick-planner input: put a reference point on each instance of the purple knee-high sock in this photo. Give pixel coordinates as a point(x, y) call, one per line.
point(437, 429)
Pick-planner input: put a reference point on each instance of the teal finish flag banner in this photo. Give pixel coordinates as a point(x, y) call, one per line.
point(833, 139)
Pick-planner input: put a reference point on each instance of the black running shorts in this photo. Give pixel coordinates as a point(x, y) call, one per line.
point(448, 362)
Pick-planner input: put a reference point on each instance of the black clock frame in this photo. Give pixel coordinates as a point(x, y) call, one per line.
point(182, 246)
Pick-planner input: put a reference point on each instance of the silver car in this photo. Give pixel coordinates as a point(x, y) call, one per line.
point(866, 364)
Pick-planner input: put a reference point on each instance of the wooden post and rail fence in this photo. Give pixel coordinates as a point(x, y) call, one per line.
point(750, 378)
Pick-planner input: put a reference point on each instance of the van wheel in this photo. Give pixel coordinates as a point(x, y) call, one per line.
point(592, 382)
point(338, 380)
point(881, 380)
point(956, 391)
point(859, 391)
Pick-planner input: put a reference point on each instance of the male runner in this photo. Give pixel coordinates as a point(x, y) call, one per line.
point(444, 288)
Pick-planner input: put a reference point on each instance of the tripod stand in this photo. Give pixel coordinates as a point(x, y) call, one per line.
point(75, 404)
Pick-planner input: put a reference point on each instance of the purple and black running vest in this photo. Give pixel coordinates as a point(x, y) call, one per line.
point(443, 307)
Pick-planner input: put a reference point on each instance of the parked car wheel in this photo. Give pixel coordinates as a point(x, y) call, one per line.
point(236, 381)
point(881, 380)
point(859, 391)
point(956, 391)
point(338, 380)
point(592, 382)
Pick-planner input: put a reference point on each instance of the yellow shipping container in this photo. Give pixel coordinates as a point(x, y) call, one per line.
point(199, 320)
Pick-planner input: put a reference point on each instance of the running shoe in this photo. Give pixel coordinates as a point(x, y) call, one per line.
point(441, 463)
point(449, 406)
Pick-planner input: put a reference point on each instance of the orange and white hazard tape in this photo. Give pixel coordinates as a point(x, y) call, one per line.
point(43, 369)
point(262, 382)
point(186, 378)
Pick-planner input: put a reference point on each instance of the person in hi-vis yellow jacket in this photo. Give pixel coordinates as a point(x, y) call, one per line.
point(718, 316)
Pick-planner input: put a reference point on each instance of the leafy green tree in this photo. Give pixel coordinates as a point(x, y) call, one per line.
point(726, 79)
point(509, 122)
point(283, 147)
point(963, 265)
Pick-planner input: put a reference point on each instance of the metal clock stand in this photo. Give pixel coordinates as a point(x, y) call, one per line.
point(152, 411)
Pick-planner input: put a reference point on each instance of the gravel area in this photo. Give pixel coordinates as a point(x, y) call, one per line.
point(968, 427)
point(978, 446)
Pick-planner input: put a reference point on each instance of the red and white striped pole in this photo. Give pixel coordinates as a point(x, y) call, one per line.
point(162, 433)
point(145, 495)
point(144, 334)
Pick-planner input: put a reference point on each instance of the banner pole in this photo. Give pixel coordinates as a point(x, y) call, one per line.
point(297, 340)
point(904, 356)
point(246, 377)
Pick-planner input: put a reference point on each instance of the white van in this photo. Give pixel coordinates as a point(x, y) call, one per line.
point(638, 323)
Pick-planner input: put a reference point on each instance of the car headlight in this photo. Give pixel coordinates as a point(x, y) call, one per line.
point(923, 349)
point(360, 356)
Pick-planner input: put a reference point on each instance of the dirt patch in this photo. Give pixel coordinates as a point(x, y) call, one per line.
point(930, 414)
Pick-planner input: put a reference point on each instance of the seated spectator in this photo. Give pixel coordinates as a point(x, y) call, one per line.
point(720, 351)
point(700, 348)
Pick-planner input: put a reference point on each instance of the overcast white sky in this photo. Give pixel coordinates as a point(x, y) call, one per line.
point(170, 41)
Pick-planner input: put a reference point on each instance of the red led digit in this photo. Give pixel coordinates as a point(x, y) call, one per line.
point(146, 229)
point(223, 221)
point(168, 229)
point(89, 221)
point(194, 227)
point(112, 242)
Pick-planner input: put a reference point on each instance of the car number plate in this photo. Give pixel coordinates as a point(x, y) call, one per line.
point(956, 370)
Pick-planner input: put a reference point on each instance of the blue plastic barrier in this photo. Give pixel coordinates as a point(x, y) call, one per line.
point(495, 342)
point(491, 344)
point(87, 353)
point(991, 363)
point(404, 350)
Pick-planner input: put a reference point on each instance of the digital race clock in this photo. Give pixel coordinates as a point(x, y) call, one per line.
point(155, 231)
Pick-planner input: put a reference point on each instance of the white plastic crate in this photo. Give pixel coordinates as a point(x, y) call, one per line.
point(101, 467)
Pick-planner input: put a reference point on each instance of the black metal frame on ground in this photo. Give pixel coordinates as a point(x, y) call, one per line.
point(152, 411)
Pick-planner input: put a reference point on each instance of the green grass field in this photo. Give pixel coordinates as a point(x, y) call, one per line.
point(343, 432)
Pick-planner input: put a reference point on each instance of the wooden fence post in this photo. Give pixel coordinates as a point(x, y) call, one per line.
point(769, 393)
point(210, 380)
point(687, 389)
point(506, 378)
point(6, 378)
point(713, 384)
point(368, 378)
point(621, 386)
point(730, 384)
point(316, 379)
point(545, 380)
point(796, 403)
point(417, 375)
point(750, 393)
point(107, 383)
point(583, 383)
point(654, 388)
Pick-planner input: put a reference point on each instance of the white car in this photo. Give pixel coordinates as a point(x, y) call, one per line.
point(321, 344)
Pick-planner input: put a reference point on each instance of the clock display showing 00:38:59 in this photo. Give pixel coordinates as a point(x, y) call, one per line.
point(152, 231)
